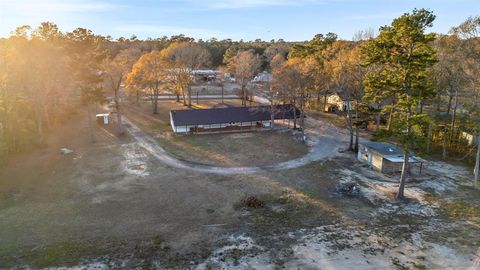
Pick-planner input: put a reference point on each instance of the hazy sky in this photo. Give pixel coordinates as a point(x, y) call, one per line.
point(236, 19)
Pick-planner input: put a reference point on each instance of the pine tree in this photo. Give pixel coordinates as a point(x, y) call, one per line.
point(404, 53)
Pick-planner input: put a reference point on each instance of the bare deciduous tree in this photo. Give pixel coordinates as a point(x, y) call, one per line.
point(244, 66)
point(182, 59)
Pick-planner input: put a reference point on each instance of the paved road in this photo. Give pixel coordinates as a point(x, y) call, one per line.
point(323, 138)
point(258, 99)
point(194, 97)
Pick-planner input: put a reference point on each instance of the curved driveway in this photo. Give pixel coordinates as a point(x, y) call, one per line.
point(323, 138)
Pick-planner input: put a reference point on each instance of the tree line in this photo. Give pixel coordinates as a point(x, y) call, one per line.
point(422, 85)
point(46, 73)
point(410, 86)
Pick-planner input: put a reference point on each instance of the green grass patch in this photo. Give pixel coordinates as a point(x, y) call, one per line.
point(62, 254)
point(461, 209)
point(308, 193)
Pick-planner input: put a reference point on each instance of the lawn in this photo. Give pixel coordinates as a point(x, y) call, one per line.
point(227, 149)
point(239, 149)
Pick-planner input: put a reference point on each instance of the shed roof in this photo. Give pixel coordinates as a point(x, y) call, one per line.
point(397, 159)
point(383, 148)
point(230, 114)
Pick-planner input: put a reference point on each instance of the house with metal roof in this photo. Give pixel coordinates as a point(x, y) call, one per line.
point(230, 118)
point(386, 157)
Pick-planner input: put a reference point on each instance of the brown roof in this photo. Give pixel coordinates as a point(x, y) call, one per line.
point(231, 114)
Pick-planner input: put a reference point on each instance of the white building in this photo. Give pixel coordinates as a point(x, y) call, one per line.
point(385, 157)
point(337, 103)
point(229, 118)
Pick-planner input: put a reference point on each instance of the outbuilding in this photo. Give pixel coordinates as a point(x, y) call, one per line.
point(229, 118)
point(103, 118)
point(386, 157)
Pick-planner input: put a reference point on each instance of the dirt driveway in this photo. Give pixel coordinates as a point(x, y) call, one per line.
point(324, 141)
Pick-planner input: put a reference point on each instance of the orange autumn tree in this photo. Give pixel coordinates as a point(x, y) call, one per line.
point(148, 75)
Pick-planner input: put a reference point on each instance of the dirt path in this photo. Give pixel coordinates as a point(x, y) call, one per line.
point(323, 138)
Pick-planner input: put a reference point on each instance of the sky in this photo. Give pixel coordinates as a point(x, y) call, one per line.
point(291, 20)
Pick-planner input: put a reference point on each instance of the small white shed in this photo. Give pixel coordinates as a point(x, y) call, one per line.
point(385, 157)
point(103, 118)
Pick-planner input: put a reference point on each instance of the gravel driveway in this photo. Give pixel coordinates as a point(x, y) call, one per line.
point(323, 138)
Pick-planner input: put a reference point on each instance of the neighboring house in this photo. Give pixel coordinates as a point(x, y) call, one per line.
point(205, 75)
point(469, 138)
point(336, 102)
point(229, 77)
point(229, 119)
point(199, 75)
point(386, 157)
point(263, 77)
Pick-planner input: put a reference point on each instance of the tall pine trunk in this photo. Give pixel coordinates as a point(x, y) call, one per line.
point(355, 148)
point(272, 115)
point(444, 144)
point(294, 116)
point(390, 118)
point(403, 176)
point(429, 137)
point(477, 164)
point(449, 105)
point(155, 99)
point(350, 126)
point(302, 115)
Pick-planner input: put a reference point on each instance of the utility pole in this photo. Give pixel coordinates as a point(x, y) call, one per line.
point(477, 164)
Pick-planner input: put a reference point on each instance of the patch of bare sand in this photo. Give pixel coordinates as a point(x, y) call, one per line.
point(381, 245)
point(135, 162)
point(119, 167)
point(340, 247)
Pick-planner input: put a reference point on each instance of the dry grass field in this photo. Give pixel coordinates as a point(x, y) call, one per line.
point(113, 205)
